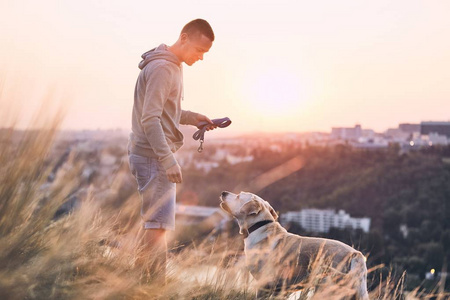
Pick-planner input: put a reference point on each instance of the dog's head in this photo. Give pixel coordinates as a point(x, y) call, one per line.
point(247, 208)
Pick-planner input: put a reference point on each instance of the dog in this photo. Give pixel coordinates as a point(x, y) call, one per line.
point(279, 260)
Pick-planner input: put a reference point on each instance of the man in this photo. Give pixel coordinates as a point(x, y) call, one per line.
point(155, 137)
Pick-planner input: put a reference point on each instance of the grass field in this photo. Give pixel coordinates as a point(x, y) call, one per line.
point(91, 252)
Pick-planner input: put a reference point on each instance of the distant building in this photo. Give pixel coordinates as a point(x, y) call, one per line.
point(368, 133)
point(409, 128)
point(206, 166)
point(441, 128)
point(317, 220)
point(436, 139)
point(233, 159)
point(346, 133)
point(398, 135)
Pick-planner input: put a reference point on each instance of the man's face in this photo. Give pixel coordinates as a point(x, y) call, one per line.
point(194, 47)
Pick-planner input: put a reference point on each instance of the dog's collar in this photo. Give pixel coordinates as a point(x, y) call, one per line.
point(258, 225)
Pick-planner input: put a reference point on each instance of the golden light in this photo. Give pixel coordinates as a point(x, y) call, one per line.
point(275, 93)
point(432, 271)
point(273, 175)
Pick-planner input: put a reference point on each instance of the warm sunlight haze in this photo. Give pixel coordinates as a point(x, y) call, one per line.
point(274, 66)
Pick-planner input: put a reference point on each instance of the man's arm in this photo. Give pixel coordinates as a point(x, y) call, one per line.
point(188, 118)
point(159, 82)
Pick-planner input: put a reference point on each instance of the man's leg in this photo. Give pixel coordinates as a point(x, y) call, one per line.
point(158, 213)
point(153, 256)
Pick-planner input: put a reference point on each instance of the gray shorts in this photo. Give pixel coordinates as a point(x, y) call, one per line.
point(157, 192)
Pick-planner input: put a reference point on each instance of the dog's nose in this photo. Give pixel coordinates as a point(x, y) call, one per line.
point(224, 194)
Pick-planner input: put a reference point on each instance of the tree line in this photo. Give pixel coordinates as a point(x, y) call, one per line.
point(406, 195)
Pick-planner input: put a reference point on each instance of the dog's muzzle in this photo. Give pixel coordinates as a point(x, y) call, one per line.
point(223, 204)
point(226, 208)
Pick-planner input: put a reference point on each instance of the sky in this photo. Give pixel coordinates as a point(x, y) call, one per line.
point(275, 65)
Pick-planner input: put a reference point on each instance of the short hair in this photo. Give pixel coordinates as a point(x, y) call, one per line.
point(197, 27)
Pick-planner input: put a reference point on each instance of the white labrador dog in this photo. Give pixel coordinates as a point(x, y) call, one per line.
point(279, 260)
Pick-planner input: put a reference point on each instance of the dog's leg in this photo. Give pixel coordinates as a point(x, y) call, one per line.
point(358, 266)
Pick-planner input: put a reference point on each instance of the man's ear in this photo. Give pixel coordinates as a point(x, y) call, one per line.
point(183, 37)
point(252, 207)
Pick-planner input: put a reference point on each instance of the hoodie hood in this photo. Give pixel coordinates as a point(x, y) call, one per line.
point(160, 52)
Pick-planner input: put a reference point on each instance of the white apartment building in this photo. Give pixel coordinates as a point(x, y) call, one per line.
point(318, 220)
point(346, 133)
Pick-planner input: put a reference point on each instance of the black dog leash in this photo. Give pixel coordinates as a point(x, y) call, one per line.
point(200, 134)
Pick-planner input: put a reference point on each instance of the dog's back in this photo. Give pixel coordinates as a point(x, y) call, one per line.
point(278, 259)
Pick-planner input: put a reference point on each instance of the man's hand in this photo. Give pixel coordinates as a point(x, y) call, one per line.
point(202, 118)
point(174, 174)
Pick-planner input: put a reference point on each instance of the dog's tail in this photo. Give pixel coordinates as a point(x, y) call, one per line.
point(358, 267)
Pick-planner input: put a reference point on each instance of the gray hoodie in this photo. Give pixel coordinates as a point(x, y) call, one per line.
point(157, 110)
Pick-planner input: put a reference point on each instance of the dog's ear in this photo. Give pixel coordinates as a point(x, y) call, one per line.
point(273, 213)
point(252, 207)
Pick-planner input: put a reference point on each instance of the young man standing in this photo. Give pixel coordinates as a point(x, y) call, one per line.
point(155, 137)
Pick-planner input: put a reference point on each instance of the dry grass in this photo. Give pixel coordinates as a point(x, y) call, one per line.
point(90, 253)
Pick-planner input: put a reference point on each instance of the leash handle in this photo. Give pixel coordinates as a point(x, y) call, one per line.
point(200, 134)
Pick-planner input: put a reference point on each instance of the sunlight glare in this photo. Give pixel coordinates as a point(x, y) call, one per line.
point(276, 93)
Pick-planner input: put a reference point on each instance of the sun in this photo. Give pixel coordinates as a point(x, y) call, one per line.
point(275, 94)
